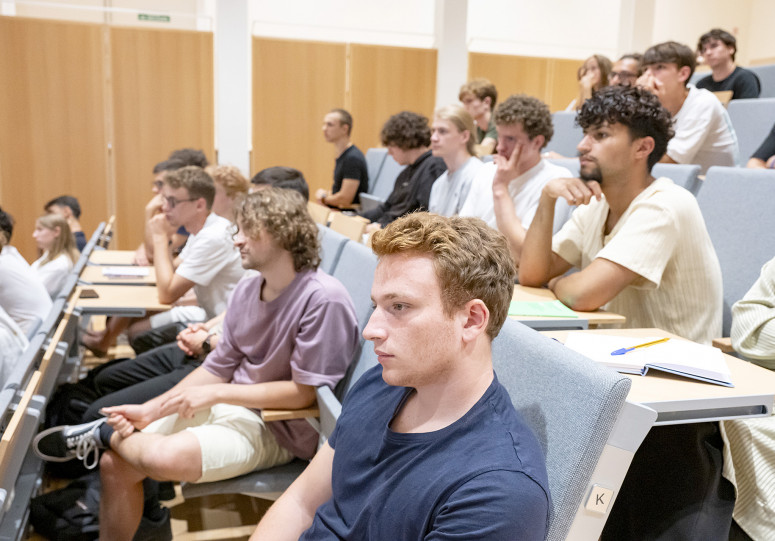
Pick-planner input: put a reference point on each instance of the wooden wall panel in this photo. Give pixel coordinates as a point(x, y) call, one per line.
point(552, 80)
point(385, 81)
point(163, 99)
point(52, 136)
point(295, 83)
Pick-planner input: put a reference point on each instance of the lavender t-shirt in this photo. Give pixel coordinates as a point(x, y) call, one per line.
point(308, 335)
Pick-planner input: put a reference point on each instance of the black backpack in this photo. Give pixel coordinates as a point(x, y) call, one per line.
point(70, 513)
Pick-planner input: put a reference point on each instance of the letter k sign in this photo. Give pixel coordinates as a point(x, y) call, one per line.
point(599, 499)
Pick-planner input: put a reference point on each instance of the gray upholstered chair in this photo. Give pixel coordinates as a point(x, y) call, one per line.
point(752, 120)
point(567, 135)
point(684, 175)
point(737, 206)
point(375, 157)
point(331, 245)
point(766, 76)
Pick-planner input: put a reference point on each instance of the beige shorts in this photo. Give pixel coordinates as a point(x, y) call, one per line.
point(234, 440)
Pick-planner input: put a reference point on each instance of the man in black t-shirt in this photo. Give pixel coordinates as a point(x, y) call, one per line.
point(351, 176)
point(718, 48)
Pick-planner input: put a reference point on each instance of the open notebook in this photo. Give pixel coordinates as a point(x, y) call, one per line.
point(681, 357)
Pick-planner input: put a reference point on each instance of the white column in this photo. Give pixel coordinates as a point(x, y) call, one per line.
point(452, 45)
point(636, 26)
point(232, 66)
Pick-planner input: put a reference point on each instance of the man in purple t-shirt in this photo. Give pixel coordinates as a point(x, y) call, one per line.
point(286, 331)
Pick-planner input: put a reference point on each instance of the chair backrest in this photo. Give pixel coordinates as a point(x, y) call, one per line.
point(697, 75)
point(572, 405)
point(567, 135)
point(752, 120)
point(351, 227)
point(737, 206)
point(386, 180)
point(320, 213)
point(766, 76)
point(355, 270)
point(331, 244)
point(375, 157)
point(684, 175)
point(571, 164)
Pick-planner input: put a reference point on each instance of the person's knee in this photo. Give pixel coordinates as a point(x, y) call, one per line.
point(167, 461)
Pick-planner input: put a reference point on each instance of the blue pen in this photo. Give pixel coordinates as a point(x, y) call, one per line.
point(622, 351)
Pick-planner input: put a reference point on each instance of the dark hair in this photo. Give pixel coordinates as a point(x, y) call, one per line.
point(283, 214)
point(168, 165)
point(6, 228)
point(532, 113)
point(637, 57)
point(634, 107)
point(287, 178)
point(721, 35)
point(190, 156)
point(344, 118)
point(671, 52)
point(65, 201)
point(196, 182)
point(406, 130)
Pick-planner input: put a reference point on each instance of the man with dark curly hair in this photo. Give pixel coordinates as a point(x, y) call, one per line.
point(407, 137)
point(505, 193)
point(287, 330)
point(643, 251)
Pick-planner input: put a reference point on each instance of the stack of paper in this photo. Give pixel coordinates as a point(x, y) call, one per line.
point(124, 271)
point(676, 356)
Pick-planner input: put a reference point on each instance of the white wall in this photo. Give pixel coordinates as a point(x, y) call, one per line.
point(761, 42)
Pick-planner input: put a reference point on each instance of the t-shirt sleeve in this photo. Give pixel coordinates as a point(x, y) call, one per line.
point(497, 505)
point(205, 258)
point(328, 336)
point(753, 318)
point(767, 148)
point(747, 85)
point(354, 167)
point(645, 243)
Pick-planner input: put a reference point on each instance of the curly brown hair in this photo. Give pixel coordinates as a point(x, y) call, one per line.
point(196, 182)
point(283, 214)
point(532, 113)
point(407, 131)
point(230, 177)
point(472, 260)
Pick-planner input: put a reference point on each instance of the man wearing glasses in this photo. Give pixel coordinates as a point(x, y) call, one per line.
point(209, 263)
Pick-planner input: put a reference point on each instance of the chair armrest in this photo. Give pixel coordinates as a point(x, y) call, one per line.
point(286, 415)
point(724, 344)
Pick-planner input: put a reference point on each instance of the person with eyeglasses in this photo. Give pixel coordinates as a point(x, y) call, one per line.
point(626, 70)
point(209, 264)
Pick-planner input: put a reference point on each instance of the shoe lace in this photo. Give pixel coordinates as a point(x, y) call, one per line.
point(86, 449)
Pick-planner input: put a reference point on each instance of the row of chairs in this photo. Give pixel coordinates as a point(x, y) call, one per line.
point(752, 120)
point(577, 409)
point(383, 171)
point(50, 358)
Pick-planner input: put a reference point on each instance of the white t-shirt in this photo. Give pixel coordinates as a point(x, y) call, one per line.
point(211, 261)
point(662, 237)
point(54, 273)
point(449, 192)
point(12, 344)
point(525, 191)
point(703, 132)
point(22, 294)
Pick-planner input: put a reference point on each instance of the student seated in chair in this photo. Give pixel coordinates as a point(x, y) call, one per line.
point(288, 330)
point(68, 208)
point(428, 445)
point(351, 176)
point(407, 137)
point(643, 251)
point(479, 97)
point(718, 48)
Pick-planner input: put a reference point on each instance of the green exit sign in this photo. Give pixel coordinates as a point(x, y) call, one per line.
point(153, 18)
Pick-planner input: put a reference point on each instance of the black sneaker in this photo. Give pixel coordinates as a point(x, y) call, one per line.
point(66, 442)
point(156, 529)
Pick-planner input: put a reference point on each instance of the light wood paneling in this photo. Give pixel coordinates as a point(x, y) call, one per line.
point(552, 80)
point(295, 83)
point(52, 136)
point(385, 81)
point(162, 86)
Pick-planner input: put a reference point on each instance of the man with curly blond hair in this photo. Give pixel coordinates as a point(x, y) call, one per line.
point(428, 445)
point(287, 331)
point(479, 97)
point(505, 193)
point(407, 137)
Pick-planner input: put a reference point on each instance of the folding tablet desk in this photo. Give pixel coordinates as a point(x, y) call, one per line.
point(119, 300)
point(584, 321)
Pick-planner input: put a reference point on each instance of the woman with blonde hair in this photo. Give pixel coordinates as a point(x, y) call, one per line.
point(453, 140)
point(59, 254)
point(592, 76)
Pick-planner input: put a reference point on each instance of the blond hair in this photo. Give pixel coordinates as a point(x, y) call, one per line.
point(64, 243)
point(462, 120)
point(472, 260)
point(230, 177)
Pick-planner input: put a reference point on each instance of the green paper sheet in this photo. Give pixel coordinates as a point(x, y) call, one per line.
point(540, 308)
